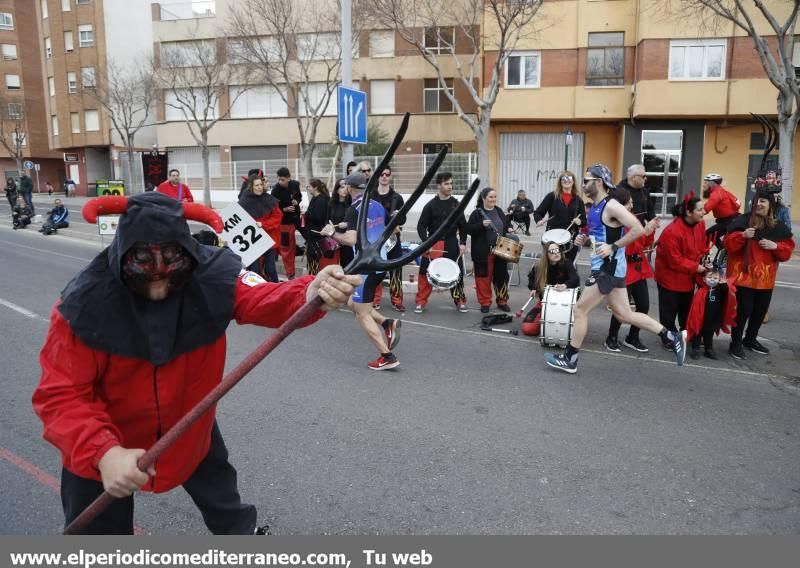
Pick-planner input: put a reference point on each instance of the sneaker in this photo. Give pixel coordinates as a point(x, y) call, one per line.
point(504, 307)
point(668, 346)
point(679, 346)
point(383, 363)
point(262, 531)
point(485, 309)
point(736, 352)
point(711, 354)
point(756, 347)
point(561, 362)
point(376, 307)
point(527, 233)
point(399, 308)
point(392, 329)
point(612, 344)
point(695, 353)
point(462, 308)
point(419, 309)
point(635, 344)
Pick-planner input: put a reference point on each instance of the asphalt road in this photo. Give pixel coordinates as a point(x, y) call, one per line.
point(472, 434)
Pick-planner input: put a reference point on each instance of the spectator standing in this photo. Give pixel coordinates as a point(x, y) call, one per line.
point(26, 190)
point(287, 192)
point(176, 189)
point(11, 192)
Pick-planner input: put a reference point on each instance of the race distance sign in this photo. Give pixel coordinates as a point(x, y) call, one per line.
point(243, 235)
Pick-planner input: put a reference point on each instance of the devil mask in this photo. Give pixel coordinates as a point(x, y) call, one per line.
point(154, 271)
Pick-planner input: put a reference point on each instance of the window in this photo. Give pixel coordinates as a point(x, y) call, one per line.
point(65, 7)
point(92, 118)
point(440, 40)
point(435, 97)
point(6, 21)
point(69, 46)
point(86, 35)
point(381, 96)
point(12, 82)
point(316, 93)
point(175, 105)
point(51, 83)
point(72, 82)
point(662, 152)
point(697, 60)
point(381, 44)
point(9, 51)
point(317, 46)
point(82, 2)
point(523, 70)
point(605, 59)
point(796, 57)
point(54, 124)
point(16, 110)
point(48, 48)
point(188, 9)
point(18, 139)
point(188, 53)
point(257, 102)
point(88, 79)
point(44, 9)
point(266, 49)
point(75, 120)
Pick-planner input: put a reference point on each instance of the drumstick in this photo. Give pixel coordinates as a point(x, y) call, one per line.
point(498, 330)
point(519, 312)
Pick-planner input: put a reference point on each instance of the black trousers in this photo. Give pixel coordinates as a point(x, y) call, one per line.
point(751, 307)
point(641, 298)
point(212, 487)
point(673, 305)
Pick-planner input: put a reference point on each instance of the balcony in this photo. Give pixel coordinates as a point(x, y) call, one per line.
point(188, 10)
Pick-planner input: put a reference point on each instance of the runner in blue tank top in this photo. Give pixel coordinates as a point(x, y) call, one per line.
point(383, 332)
point(606, 221)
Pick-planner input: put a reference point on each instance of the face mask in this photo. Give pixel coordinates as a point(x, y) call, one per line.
point(712, 281)
point(154, 271)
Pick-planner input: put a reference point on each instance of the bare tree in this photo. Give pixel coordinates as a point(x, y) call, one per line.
point(433, 27)
point(127, 93)
point(775, 56)
point(294, 47)
point(195, 80)
point(13, 130)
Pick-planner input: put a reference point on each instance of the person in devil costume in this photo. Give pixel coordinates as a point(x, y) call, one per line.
point(135, 341)
point(713, 310)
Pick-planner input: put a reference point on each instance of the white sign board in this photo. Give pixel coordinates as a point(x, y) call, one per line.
point(243, 235)
point(107, 224)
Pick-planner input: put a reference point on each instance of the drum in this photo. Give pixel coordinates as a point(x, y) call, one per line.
point(558, 316)
point(562, 237)
point(508, 248)
point(443, 274)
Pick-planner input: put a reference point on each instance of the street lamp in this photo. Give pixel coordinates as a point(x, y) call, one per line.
point(567, 144)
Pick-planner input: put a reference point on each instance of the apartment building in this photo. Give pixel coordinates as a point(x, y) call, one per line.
point(261, 126)
point(621, 82)
point(23, 105)
point(78, 39)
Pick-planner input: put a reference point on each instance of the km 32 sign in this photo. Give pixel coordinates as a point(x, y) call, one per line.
point(243, 235)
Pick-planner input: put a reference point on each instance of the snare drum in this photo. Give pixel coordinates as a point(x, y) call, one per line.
point(558, 316)
point(562, 237)
point(508, 249)
point(443, 274)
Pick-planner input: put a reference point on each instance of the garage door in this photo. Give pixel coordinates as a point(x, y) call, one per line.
point(531, 161)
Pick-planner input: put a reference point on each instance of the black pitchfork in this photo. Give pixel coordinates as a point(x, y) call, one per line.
point(367, 259)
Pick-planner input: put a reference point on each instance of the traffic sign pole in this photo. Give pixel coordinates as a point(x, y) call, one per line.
point(347, 68)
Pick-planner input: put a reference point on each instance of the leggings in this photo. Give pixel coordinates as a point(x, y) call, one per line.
point(673, 305)
point(751, 307)
point(641, 298)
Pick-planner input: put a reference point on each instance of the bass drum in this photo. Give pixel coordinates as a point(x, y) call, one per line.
point(558, 316)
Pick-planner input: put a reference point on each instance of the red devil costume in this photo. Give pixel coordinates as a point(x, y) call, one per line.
point(713, 310)
point(119, 369)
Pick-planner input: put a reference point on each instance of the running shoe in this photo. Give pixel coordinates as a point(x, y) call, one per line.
point(462, 308)
point(612, 344)
point(384, 363)
point(376, 306)
point(399, 308)
point(392, 329)
point(419, 309)
point(561, 362)
point(635, 344)
point(736, 351)
point(679, 346)
point(756, 347)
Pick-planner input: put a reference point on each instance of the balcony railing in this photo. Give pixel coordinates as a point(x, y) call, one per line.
point(188, 10)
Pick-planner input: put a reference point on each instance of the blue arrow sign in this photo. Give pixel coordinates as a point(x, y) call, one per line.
point(352, 116)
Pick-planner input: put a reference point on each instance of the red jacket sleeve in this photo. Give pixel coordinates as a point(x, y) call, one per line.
point(187, 194)
point(784, 250)
point(734, 242)
point(271, 223)
point(713, 201)
point(269, 304)
point(74, 416)
point(671, 252)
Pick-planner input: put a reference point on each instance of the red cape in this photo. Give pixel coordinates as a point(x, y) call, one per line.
point(694, 324)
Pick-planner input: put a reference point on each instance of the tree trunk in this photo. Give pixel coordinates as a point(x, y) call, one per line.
point(306, 157)
point(206, 172)
point(786, 132)
point(482, 138)
point(19, 165)
point(129, 181)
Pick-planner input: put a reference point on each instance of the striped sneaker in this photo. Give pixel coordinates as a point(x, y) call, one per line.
point(561, 362)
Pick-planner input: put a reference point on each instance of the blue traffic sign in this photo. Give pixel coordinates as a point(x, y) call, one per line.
point(28, 165)
point(352, 116)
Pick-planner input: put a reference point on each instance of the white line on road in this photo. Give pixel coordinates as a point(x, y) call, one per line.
point(45, 251)
point(21, 310)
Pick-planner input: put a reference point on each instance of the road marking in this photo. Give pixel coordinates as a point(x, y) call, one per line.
point(792, 285)
point(45, 251)
point(21, 310)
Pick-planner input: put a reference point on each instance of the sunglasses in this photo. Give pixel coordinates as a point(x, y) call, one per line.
point(386, 174)
point(554, 251)
point(587, 181)
point(566, 178)
point(365, 171)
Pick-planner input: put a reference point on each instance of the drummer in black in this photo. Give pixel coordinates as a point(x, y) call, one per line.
point(434, 214)
point(564, 208)
point(486, 224)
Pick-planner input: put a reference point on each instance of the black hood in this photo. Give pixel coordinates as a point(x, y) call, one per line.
point(257, 205)
point(106, 316)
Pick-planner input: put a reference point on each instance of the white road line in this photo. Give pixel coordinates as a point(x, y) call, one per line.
point(791, 285)
point(45, 251)
point(21, 310)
